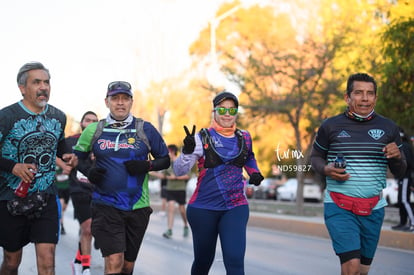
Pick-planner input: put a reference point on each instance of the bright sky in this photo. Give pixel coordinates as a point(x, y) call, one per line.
point(88, 43)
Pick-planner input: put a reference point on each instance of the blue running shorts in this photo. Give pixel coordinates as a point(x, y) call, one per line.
point(351, 232)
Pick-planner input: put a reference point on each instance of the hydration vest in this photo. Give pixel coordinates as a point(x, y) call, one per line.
point(139, 130)
point(212, 157)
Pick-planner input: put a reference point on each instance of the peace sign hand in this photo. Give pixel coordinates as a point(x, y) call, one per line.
point(189, 140)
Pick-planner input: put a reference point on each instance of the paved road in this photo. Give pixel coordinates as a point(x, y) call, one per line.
point(269, 252)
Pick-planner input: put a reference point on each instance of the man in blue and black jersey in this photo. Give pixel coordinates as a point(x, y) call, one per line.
point(353, 205)
point(120, 201)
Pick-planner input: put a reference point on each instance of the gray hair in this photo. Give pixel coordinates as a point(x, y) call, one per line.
point(24, 71)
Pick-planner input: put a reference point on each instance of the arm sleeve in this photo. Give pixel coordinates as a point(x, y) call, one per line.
point(318, 161)
point(184, 162)
point(398, 166)
point(84, 165)
point(251, 163)
point(320, 151)
point(61, 149)
point(159, 149)
point(160, 163)
point(7, 164)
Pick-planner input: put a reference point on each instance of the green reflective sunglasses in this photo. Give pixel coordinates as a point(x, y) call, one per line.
point(222, 111)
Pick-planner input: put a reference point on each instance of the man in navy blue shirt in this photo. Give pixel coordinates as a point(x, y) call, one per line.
point(120, 201)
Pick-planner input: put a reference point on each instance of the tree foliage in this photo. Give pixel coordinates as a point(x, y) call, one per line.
point(281, 73)
point(291, 61)
point(291, 64)
point(397, 87)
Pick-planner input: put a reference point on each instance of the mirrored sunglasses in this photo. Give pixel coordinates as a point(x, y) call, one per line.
point(222, 111)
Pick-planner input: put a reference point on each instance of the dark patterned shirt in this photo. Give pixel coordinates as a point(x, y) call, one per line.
point(27, 137)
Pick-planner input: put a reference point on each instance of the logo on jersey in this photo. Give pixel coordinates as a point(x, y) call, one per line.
point(376, 133)
point(343, 134)
point(109, 144)
point(217, 142)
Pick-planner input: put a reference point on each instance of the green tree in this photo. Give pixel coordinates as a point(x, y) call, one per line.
point(295, 85)
point(397, 87)
point(282, 73)
point(291, 61)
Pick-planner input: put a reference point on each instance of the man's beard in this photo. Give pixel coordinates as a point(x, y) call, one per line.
point(41, 104)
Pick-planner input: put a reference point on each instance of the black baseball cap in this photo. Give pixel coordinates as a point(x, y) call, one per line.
point(223, 96)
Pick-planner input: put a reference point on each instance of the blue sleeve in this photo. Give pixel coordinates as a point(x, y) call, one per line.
point(158, 147)
point(251, 163)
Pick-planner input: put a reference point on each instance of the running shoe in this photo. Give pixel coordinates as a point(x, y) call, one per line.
point(409, 228)
point(399, 227)
point(185, 231)
point(167, 234)
point(76, 268)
